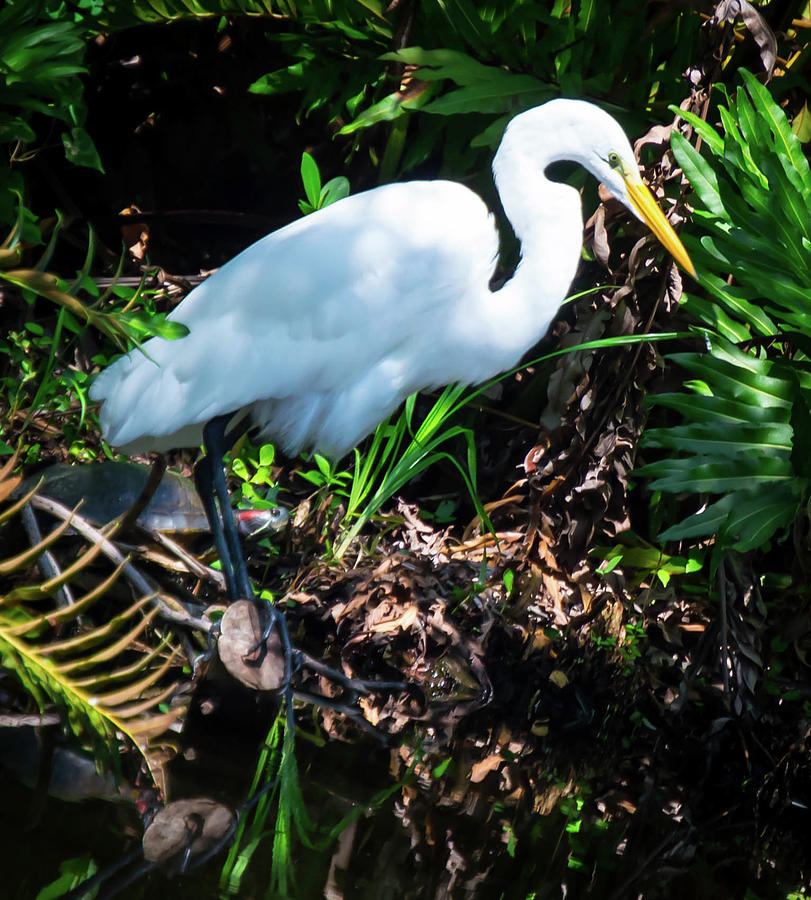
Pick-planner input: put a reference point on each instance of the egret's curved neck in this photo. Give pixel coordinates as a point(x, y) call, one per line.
point(547, 219)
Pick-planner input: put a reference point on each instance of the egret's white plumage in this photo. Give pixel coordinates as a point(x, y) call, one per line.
point(323, 327)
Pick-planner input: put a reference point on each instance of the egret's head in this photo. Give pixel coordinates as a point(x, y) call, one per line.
point(582, 132)
point(618, 171)
point(610, 158)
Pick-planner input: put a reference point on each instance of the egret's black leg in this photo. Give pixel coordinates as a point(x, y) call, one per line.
point(205, 488)
point(214, 494)
point(204, 480)
point(214, 442)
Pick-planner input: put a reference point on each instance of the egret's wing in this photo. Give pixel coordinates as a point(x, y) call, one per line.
point(312, 309)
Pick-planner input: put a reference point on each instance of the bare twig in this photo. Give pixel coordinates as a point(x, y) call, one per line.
point(170, 609)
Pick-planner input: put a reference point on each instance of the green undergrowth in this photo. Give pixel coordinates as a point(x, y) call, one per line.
point(740, 436)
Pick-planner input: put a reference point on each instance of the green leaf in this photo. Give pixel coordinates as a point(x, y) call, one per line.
point(754, 132)
point(779, 126)
point(464, 17)
point(709, 475)
point(734, 379)
point(734, 297)
point(719, 410)
point(80, 149)
point(756, 516)
point(801, 124)
point(142, 324)
point(715, 317)
point(311, 178)
point(745, 434)
point(703, 129)
point(701, 176)
point(14, 128)
point(280, 81)
point(72, 873)
point(323, 465)
point(435, 65)
point(745, 519)
point(495, 96)
point(707, 439)
point(335, 189)
point(709, 520)
point(389, 108)
point(267, 453)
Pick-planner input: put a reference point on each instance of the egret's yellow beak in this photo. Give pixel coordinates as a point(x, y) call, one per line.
point(648, 210)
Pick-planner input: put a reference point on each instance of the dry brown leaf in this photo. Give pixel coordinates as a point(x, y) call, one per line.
point(482, 769)
point(404, 622)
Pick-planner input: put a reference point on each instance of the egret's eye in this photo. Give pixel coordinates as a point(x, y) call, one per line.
point(614, 160)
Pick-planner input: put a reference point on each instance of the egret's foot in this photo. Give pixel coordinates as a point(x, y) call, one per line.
point(298, 659)
point(354, 686)
point(193, 824)
point(185, 833)
point(274, 620)
point(252, 647)
point(346, 709)
point(203, 659)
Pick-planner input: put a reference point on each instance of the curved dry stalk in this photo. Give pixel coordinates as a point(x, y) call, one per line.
point(61, 616)
point(13, 563)
point(169, 608)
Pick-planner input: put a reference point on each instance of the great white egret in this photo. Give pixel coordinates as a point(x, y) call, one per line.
point(322, 328)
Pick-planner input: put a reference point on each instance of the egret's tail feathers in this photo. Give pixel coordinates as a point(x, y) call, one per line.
point(143, 407)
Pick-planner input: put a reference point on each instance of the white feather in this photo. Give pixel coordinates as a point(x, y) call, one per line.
point(323, 327)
